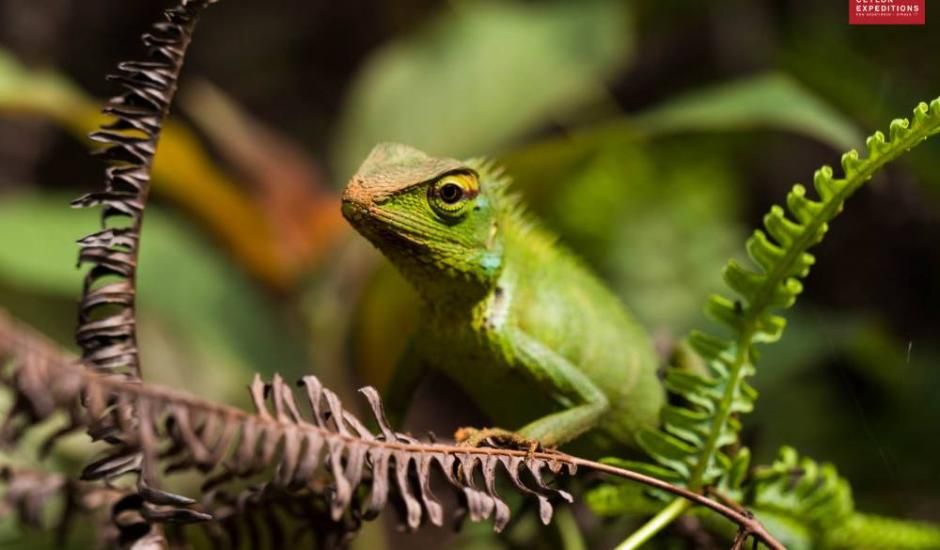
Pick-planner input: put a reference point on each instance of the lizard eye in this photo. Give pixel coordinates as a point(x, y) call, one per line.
point(450, 195)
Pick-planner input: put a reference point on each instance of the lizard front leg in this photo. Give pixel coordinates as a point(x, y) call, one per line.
point(585, 402)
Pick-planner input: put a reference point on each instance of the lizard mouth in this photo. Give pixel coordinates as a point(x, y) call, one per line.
point(363, 220)
point(357, 200)
point(352, 210)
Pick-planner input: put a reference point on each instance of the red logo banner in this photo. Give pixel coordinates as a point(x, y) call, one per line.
point(887, 12)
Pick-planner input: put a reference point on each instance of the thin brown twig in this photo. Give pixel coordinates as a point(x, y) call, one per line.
point(725, 499)
point(749, 525)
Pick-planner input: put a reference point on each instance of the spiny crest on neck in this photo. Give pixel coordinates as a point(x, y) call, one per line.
point(508, 204)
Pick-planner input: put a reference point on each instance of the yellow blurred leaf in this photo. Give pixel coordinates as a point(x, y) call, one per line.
point(184, 172)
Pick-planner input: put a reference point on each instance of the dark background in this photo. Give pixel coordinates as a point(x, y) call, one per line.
point(279, 99)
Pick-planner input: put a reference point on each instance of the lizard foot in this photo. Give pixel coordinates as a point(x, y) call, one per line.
point(495, 437)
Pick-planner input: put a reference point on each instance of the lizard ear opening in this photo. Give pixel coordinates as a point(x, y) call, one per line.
point(451, 195)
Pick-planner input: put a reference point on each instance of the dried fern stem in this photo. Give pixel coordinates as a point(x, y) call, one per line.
point(226, 442)
point(107, 319)
point(107, 315)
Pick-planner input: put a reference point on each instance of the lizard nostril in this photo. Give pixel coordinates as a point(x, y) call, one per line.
point(354, 200)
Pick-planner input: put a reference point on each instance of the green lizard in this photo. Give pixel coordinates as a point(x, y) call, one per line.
point(509, 314)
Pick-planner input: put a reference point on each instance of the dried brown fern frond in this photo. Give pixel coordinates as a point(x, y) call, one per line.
point(114, 515)
point(250, 518)
point(29, 494)
point(107, 318)
point(324, 464)
point(326, 452)
point(106, 331)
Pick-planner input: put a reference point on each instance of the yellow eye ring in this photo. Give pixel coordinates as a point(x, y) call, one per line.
point(450, 195)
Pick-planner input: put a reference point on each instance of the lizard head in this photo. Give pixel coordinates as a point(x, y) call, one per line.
point(434, 218)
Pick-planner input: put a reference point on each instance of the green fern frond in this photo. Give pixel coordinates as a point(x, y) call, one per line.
point(805, 504)
point(868, 532)
point(804, 490)
point(814, 497)
point(694, 433)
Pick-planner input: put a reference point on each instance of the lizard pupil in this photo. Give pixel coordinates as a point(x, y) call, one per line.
point(450, 193)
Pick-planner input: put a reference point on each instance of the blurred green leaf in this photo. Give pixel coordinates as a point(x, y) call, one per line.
point(188, 282)
point(834, 67)
point(743, 104)
point(187, 291)
point(767, 100)
point(687, 205)
point(39, 249)
point(661, 244)
point(22, 89)
point(675, 193)
point(482, 74)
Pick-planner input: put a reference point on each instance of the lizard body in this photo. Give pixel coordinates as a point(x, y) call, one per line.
point(513, 317)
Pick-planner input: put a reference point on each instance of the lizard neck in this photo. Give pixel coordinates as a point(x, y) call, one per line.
point(446, 290)
point(455, 279)
point(454, 287)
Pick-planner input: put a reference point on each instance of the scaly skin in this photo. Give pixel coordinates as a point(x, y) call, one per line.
point(509, 314)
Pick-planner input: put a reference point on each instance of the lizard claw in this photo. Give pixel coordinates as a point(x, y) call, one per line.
point(495, 437)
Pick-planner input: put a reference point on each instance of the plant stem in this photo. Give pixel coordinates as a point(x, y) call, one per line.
point(568, 530)
point(656, 524)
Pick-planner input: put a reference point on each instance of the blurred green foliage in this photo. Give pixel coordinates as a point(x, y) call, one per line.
point(650, 137)
point(475, 77)
point(764, 101)
point(204, 315)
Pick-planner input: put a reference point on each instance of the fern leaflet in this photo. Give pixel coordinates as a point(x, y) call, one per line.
point(813, 496)
point(689, 446)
